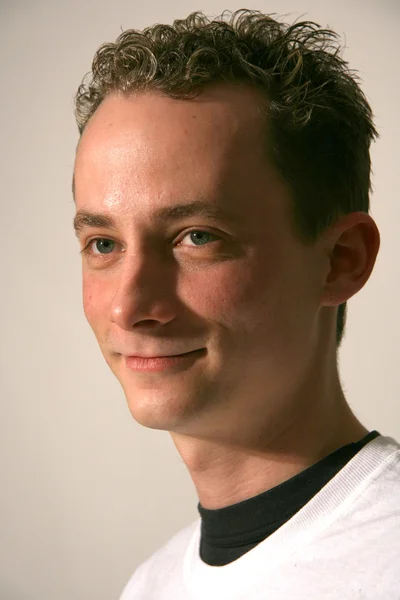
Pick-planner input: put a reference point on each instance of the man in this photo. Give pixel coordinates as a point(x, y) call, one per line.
point(222, 186)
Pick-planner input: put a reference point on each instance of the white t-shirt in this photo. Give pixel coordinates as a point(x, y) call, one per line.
point(344, 544)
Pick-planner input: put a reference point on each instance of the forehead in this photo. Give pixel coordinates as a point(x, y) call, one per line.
point(146, 151)
point(220, 122)
point(228, 108)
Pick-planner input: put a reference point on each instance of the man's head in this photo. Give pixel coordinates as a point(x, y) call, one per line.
point(260, 122)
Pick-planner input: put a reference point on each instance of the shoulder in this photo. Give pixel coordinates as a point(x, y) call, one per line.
point(166, 559)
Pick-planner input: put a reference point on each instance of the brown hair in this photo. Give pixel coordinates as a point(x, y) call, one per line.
point(320, 123)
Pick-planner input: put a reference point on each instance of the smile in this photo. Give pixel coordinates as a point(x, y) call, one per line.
point(163, 363)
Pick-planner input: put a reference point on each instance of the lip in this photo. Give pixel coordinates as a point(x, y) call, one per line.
point(163, 363)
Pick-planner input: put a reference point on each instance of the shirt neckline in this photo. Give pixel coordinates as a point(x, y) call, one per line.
point(325, 507)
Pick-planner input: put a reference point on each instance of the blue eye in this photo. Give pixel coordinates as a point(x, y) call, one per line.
point(100, 244)
point(97, 247)
point(107, 245)
point(200, 238)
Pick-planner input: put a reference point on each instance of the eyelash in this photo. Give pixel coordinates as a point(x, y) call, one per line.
point(87, 249)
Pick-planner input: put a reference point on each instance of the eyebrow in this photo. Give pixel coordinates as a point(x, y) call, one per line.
point(85, 218)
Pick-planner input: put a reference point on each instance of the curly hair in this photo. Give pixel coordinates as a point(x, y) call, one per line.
point(320, 125)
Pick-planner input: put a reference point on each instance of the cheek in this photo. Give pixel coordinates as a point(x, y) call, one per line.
point(94, 296)
point(259, 298)
point(229, 292)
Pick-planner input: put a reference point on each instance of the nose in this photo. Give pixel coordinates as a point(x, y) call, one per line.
point(145, 292)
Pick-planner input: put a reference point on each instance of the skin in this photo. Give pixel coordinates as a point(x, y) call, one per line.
point(264, 400)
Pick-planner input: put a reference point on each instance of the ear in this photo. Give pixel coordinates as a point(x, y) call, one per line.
point(352, 245)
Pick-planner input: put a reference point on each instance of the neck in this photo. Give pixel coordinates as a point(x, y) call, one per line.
point(227, 472)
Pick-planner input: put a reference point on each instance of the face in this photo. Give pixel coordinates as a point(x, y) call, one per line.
point(194, 255)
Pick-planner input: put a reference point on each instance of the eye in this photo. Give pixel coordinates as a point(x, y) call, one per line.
point(101, 244)
point(199, 237)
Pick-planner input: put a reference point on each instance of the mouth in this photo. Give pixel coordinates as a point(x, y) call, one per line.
point(162, 363)
point(166, 355)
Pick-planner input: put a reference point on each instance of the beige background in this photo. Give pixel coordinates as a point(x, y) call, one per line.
point(86, 493)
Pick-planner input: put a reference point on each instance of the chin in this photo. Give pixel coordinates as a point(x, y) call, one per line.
point(158, 409)
point(172, 407)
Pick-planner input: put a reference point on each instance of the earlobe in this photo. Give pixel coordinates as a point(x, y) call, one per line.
point(329, 298)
